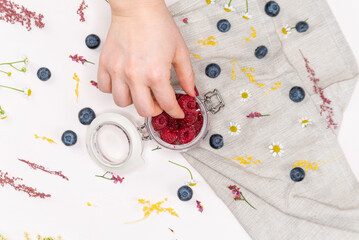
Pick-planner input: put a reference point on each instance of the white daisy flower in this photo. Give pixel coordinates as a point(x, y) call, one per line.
point(234, 128)
point(245, 95)
point(3, 115)
point(276, 149)
point(27, 92)
point(192, 182)
point(210, 1)
point(286, 30)
point(229, 8)
point(246, 15)
point(305, 122)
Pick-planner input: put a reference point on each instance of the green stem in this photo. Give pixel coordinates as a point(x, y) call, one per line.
point(103, 176)
point(15, 68)
point(183, 167)
point(247, 201)
point(265, 115)
point(306, 20)
point(89, 62)
point(2, 111)
point(157, 148)
point(247, 5)
point(4, 72)
point(12, 62)
point(12, 88)
point(229, 4)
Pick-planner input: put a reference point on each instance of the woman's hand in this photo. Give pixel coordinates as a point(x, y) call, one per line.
point(142, 44)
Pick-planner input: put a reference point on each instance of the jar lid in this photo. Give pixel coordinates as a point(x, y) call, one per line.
point(114, 143)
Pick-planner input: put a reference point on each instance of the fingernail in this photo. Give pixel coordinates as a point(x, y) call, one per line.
point(195, 89)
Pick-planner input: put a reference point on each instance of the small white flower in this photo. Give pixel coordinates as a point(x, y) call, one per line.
point(192, 182)
point(210, 1)
point(246, 15)
point(276, 149)
point(27, 92)
point(245, 95)
point(229, 8)
point(234, 128)
point(3, 115)
point(305, 122)
point(286, 30)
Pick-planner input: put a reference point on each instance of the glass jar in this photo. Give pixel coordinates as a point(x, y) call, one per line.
point(134, 136)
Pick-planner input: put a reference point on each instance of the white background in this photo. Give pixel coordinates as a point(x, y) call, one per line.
point(52, 109)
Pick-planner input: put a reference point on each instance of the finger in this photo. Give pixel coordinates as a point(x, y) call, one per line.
point(166, 98)
point(143, 101)
point(104, 81)
point(183, 67)
point(121, 93)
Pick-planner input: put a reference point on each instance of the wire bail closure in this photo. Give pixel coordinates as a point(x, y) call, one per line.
point(209, 104)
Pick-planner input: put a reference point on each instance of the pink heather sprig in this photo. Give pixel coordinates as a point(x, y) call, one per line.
point(199, 206)
point(114, 178)
point(12, 181)
point(80, 11)
point(93, 83)
point(36, 166)
point(77, 58)
point(12, 13)
point(257, 115)
point(238, 195)
point(185, 20)
point(325, 106)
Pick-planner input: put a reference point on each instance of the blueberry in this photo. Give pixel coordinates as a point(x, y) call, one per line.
point(92, 41)
point(302, 26)
point(296, 94)
point(43, 74)
point(272, 8)
point(216, 141)
point(261, 52)
point(185, 193)
point(213, 70)
point(69, 138)
point(223, 25)
point(86, 116)
point(297, 174)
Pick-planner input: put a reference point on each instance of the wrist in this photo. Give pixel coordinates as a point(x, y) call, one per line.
point(128, 8)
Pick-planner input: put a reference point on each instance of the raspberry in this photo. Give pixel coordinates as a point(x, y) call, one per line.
point(186, 134)
point(160, 121)
point(191, 117)
point(169, 136)
point(198, 125)
point(173, 125)
point(187, 103)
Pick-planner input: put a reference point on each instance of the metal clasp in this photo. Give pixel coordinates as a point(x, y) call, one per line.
point(140, 129)
point(208, 102)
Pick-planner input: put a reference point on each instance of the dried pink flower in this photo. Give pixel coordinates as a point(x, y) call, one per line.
point(325, 106)
point(32, 192)
point(117, 179)
point(256, 114)
point(36, 166)
point(199, 206)
point(93, 83)
point(12, 13)
point(77, 58)
point(185, 20)
point(80, 10)
point(238, 195)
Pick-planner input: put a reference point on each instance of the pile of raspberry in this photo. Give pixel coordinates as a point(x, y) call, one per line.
point(180, 131)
